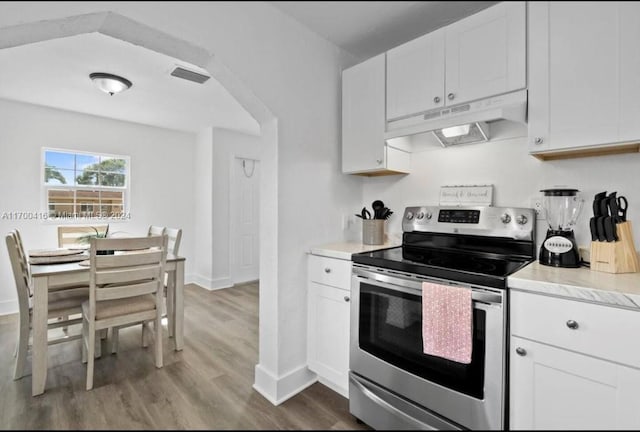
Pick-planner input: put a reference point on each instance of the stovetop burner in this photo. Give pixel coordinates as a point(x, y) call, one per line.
point(481, 245)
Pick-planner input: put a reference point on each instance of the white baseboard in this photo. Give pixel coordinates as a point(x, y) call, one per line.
point(277, 390)
point(8, 307)
point(336, 388)
point(209, 284)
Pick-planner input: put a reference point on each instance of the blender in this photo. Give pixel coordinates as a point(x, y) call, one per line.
point(562, 207)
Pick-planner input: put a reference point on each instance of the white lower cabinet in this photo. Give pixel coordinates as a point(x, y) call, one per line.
point(552, 387)
point(328, 321)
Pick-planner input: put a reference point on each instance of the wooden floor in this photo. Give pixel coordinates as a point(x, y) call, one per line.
point(208, 385)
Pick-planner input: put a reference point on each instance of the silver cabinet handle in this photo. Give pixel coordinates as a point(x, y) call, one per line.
point(538, 140)
point(436, 99)
point(572, 324)
point(347, 299)
point(379, 161)
point(451, 96)
point(521, 351)
point(327, 270)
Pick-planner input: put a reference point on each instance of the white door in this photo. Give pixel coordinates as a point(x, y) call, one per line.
point(245, 204)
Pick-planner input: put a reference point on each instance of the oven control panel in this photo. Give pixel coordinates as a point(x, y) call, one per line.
point(512, 222)
point(459, 216)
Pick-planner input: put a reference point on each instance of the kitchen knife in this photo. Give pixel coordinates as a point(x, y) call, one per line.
point(610, 221)
point(593, 225)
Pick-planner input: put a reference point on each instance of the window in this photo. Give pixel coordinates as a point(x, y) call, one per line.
point(85, 185)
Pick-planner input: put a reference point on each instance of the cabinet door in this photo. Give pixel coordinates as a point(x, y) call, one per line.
point(486, 53)
point(551, 388)
point(629, 71)
point(415, 76)
point(363, 116)
point(328, 335)
point(574, 76)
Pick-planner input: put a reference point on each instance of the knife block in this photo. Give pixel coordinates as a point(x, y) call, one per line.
point(616, 257)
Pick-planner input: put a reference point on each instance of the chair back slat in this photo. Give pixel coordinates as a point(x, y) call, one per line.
point(128, 259)
point(71, 235)
point(128, 274)
point(124, 291)
point(126, 243)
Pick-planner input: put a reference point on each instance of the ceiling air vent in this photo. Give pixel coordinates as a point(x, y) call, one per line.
point(189, 75)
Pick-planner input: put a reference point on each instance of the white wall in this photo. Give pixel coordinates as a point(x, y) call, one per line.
point(161, 175)
point(227, 145)
point(516, 177)
point(296, 74)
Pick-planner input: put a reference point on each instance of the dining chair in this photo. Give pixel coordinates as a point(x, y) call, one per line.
point(124, 288)
point(63, 304)
point(71, 235)
point(156, 230)
point(175, 237)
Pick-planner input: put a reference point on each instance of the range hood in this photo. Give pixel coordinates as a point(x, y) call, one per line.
point(464, 123)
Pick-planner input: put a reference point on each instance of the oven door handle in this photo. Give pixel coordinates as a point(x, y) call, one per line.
point(387, 406)
point(415, 287)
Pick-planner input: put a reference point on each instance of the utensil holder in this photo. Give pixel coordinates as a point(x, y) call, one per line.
point(616, 257)
point(373, 231)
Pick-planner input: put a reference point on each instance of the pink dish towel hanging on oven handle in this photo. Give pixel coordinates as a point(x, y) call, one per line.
point(447, 322)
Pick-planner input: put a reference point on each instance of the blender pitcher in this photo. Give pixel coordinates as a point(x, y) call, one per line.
point(562, 208)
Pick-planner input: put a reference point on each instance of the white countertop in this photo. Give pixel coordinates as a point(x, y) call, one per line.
point(344, 250)
point(621, 289)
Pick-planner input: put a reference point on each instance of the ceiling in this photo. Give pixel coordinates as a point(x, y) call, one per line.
point(367, 28)
point(55, 73)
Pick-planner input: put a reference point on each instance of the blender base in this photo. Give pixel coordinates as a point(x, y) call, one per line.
point(559, 249)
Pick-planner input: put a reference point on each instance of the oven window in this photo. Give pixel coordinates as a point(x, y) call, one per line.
point(390, 328)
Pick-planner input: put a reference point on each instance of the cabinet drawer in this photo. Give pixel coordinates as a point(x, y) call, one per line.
point(602, 331)
point(330, 271)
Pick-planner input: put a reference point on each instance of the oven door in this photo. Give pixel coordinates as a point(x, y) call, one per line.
point(386, 349)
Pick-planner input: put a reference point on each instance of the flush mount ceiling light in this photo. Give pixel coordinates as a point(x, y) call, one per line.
point(110, 83)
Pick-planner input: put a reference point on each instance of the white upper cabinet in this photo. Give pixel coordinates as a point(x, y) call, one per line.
point(629, 71)
point(486, 53)
point(480, 56)
point(415, 76)
point(364, 150)
point(584, 75)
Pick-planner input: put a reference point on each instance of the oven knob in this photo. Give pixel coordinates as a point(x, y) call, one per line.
point(428, 216)
point(409, 215)
point(521, 220)
point(505, 218)
point(420, 215)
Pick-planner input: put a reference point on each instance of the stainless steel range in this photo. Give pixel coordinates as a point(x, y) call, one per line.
point(392, 383)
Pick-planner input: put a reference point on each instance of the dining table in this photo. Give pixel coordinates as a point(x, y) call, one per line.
point(48, 276)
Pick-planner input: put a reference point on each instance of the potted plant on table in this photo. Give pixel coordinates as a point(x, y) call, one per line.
point(87, 238)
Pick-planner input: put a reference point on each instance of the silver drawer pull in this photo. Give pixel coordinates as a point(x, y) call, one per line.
point(521, 351)
point(572, 324)
point(327, 270)
point(347, 299)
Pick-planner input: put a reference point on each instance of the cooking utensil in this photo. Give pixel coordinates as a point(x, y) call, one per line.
point(377, 206)
point(367, 213)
